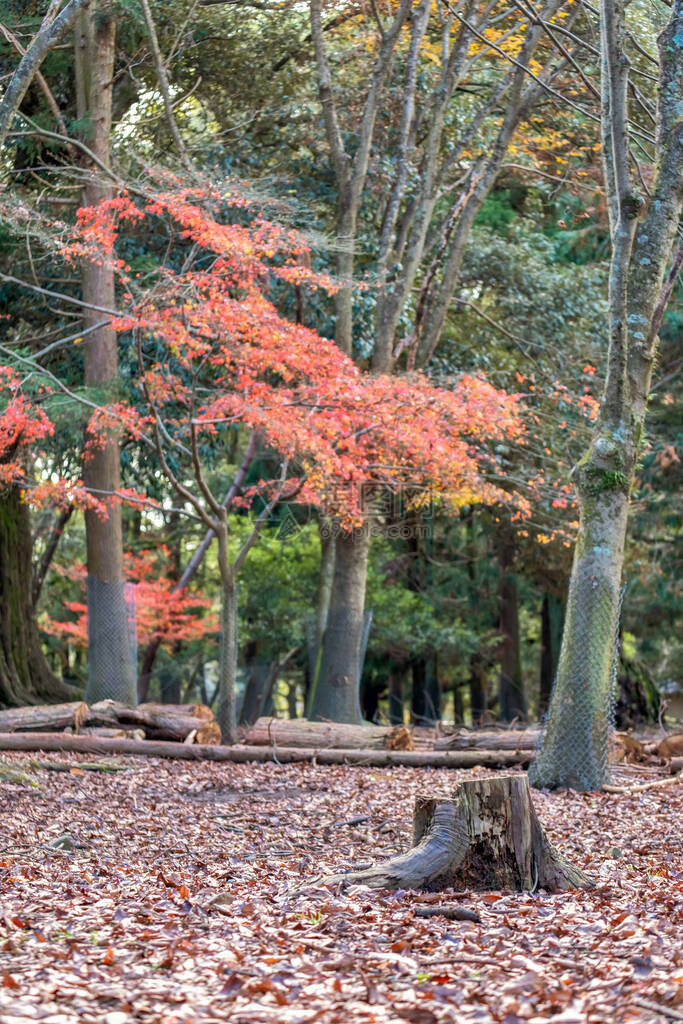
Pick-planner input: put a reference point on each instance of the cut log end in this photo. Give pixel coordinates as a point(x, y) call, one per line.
point(487, 836)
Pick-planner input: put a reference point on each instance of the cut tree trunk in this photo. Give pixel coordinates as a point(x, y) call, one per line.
point(243, 754)
point(513, 739)
point(44, 717)
point(159, 721)
point(487, 836)
point(298, 732)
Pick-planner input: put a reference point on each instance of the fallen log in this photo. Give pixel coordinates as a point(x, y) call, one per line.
point(43, 717)
point(242, 754)
point(489, 739)
point(486, 836)
point(159, 721)
point(299, 732)
point(111, 732)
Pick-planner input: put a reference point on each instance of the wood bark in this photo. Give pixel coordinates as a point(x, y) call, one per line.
point(487, 836)
point(508, 739)
point(243, 754)
point(255, 692)
point(159, 721)
point(299, 732)
point(111, 670)
point(552, 617)
point(335, 696)
point(227, 662)
point(48, 36)
point(574, 751)
point(511, 697)
point(322, 608)
point(50, 717)
point(25, 676)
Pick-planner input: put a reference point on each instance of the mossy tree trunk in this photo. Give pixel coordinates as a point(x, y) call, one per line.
point(25, 676)
point(574, 749)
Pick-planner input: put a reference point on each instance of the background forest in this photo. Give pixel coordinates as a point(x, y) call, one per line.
point(442, 164)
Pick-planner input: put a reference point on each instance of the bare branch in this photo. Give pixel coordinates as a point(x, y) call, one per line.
point(50, 33)
point(164, 86)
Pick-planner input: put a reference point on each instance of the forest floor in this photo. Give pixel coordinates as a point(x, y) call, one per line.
point(159, 894)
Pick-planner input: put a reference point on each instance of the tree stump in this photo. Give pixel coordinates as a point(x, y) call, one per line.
point(487, 836)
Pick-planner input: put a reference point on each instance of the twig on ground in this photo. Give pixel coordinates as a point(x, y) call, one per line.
point(84, 766)
point(645, 785)
point(449, 910)
point(350, 821)
point(666, 1011)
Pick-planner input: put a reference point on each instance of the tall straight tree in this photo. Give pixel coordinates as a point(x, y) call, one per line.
point(111, 671)
point(25, 676)
point(426, 216)
point(643, 231)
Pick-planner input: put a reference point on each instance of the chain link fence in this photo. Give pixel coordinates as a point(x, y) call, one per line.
point(573, 747)
point(112, 641)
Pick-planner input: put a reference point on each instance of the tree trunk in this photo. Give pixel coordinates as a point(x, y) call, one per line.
point(487, 836)
point(511, 685)
point(418, 703)
point(227, 662)
point(25, 676)
point(574, 749)
point(335, 696)
point(477, 684)
point(458, 705)
point(111, 669)
point(396, 698)
point(47, 37)
point(169, 683)
point(322, 608)
point(426, 697)
point(256, 690)
point(552, 617)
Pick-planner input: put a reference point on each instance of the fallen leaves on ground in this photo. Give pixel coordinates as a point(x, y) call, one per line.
point(160, 894)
